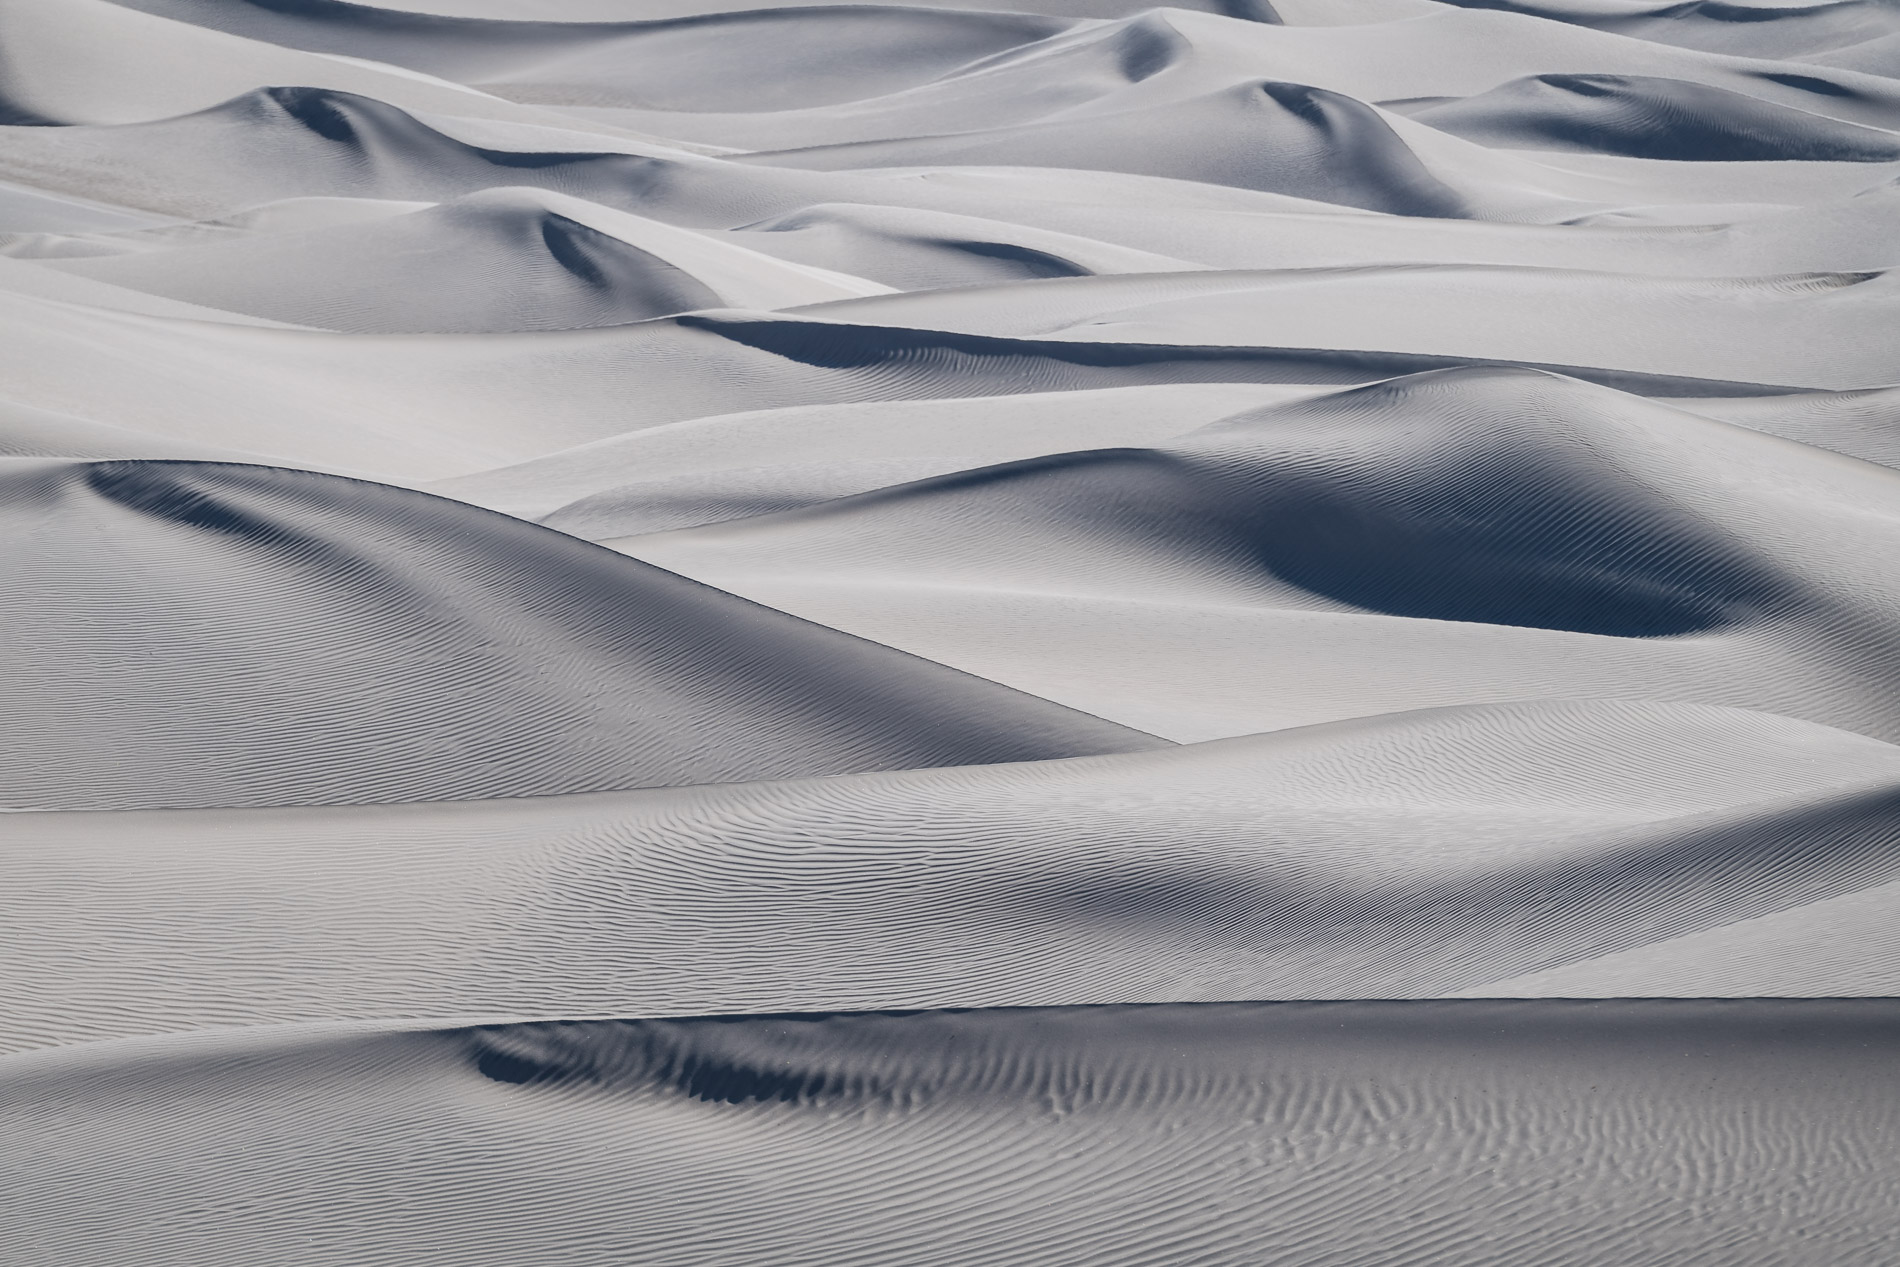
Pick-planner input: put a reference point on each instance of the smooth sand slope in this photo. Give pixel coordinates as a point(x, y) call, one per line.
point(307, 639)
point(936, 632)
point(1413, 855)
point(735, 466)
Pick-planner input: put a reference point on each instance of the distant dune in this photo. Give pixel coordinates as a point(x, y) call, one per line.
point(947, 633)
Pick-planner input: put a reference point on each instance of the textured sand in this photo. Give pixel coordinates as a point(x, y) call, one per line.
point(1486, 1133)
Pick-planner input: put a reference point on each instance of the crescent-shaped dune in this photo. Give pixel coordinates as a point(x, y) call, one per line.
point(938, 633)
point(1272, 136)
point(519, 259)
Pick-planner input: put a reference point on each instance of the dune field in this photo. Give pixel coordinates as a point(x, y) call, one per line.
point(1030, 632)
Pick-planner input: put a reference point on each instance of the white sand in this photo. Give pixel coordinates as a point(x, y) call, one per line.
point(632, 629)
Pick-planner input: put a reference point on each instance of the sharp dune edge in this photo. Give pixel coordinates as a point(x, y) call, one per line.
point(954, 633)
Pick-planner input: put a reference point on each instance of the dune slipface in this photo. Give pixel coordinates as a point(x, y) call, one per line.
point(949, 633)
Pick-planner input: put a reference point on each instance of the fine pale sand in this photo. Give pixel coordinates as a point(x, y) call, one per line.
point(1571, 1134)
point(955, 633)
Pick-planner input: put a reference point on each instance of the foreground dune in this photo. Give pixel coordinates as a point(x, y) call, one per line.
point(1340, 1134)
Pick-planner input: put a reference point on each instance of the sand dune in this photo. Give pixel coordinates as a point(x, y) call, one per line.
point(931, 632)
point(95, 62)
point(418, 408)
point(915, 249)
point(1539, 536)
point(735, 466)
point(1272, 136)
point(770, 58)
point(30, 280)
point(527, 268)
point(1863, 425)
point(1653, 118)
point(1169, 55)
point(1342, 1134)
point(1412, 855)
point(316, 640)
point(1795, 30)
point(1726, 329)
point(28, 432)
point(513, 259)
point(283, 142)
